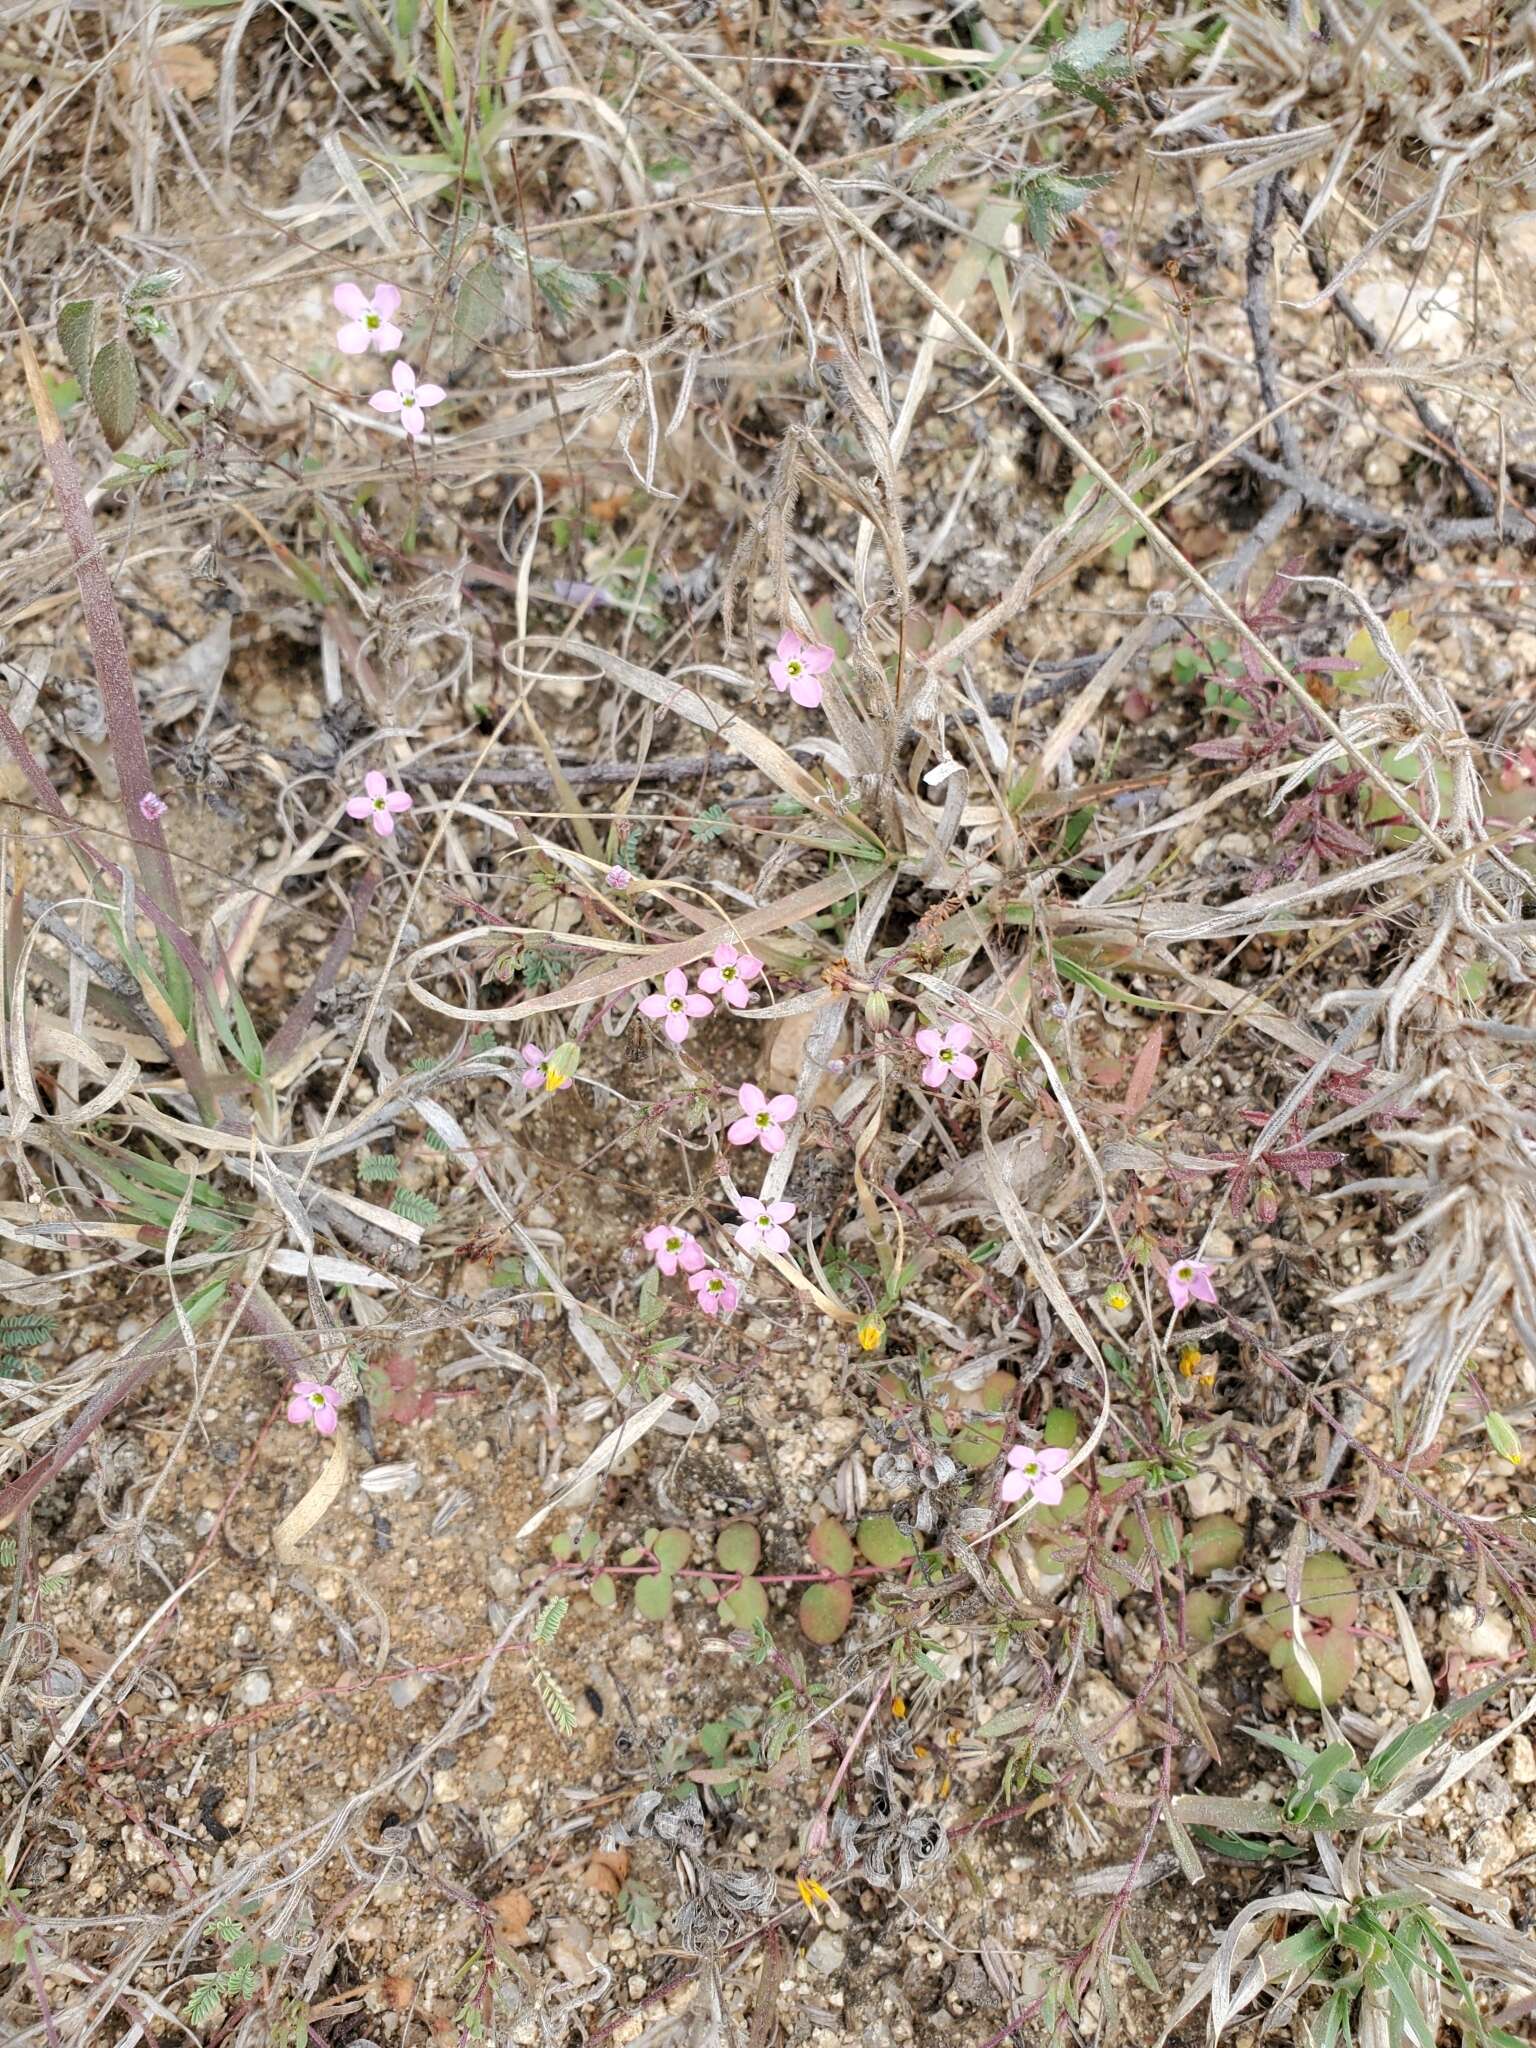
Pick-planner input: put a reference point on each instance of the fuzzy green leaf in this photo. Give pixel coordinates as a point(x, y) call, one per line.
point(114, 391)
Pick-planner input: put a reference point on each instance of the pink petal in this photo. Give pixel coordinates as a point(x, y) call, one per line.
point(929, 1042)
point(676, 1028)
point(299, 1410)
point(533, 1079)
point(696, 1005)
point(430, 394)
point(783, 1107)
point(748, 966)
point(725, 956)
point(781, 1211)
point(963, 1067)
point(412, 421)
point(772, 1139)
point(742, 1132)
point(934, 1076)
point(403, 377)
point(818, 659)
point(653, 1005)
point(1013, 1486)
point(353, 339)
point(398, 801)
point(751, 1097)
point(789, 647)
point(384, 824)
point(348, 298)
point(385, 401)
point(737, 997)
point(530, 1056)
point(359, 807)
point(386, 299)
point(710, 980)
point(958, 1037)
point(386, 339)
point(375, 784)
point(675, 982)
point(779, 675)
point(325, 1421)
point(806, 691)
point(1052, 1458)
point(690, 1257)
point(1180, 1292)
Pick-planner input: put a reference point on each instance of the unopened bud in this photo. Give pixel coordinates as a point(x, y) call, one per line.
point(1503, 1438)
point(877, 1009)
point(871, 1333)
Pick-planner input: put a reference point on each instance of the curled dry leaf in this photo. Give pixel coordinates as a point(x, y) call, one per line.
point(606, 1871)
point(512, 1911)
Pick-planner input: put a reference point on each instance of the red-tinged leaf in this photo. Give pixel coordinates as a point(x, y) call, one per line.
point(1143, 1074)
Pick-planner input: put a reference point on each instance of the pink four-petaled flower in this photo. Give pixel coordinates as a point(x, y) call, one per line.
point(618, 878)
point(761, 1118)
point(152, 807)
point(379, 803)
point(1190, 1280)
point(727, 976)
point(718, 1293)
point(1034, 1471)
point(313, 1401)
point(408, 398)
point(762, 1224)
point(675, 1005)
point(671, 1248)
point(945, 1054)
point(536, 1073)
point(370, 322)
point(798, 666)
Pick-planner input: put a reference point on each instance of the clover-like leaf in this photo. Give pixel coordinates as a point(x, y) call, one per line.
point(1205, 1611)
point(739, 1548)
point(826, 1610)
point(831, 1546)
point(746, 1605)
point(978, 1442)
point(1214, 1544)
point(1337, 1657)
point(604, 1590)
point(653, 1596)
point(882, 1543)
point(671, 1548)
point(1059, 1430)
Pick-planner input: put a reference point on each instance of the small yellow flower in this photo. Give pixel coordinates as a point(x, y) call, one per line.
point(871, 1333)
point(553, 1082)
point(899, 1707)
point(812, 1894)
point(1190, 1361)
point(1117, 1299)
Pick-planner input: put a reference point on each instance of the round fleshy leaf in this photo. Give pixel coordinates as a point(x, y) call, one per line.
point(605, 1590)
point(997, 1393)
point(1067, 1509)
point(978, 1443)
point(826, 1610)
point(1337, 1657)
point(633, 1554)
point(831, 1546)
point(1328, 1589)
point(882, 1542)
point(1059, 1431)
point(748, 1604)
point(653, 1596)
point(587, 1543)
point(562, 1546)
point(1214, 1544)
point(738, 1548)
point(1204, 1612)
point(672, 1548)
